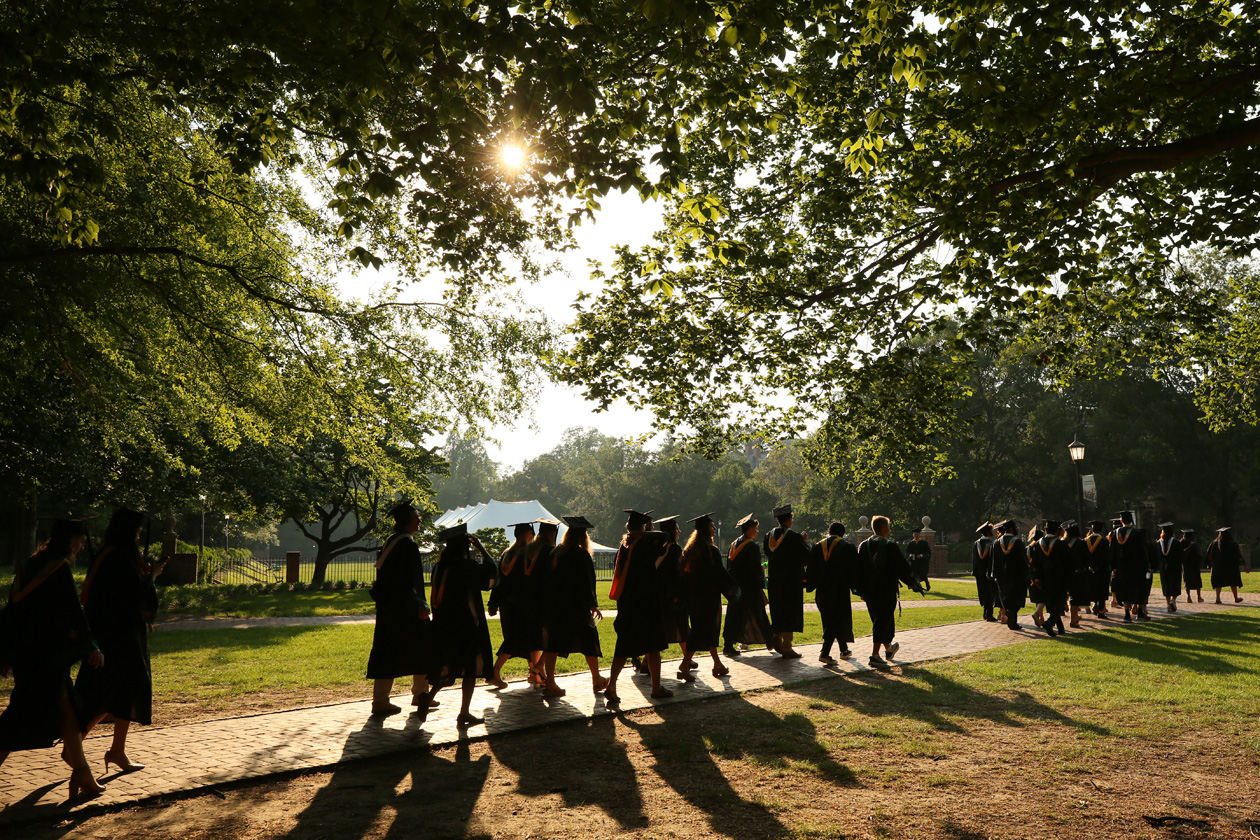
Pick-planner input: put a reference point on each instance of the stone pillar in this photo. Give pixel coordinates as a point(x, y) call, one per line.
point(938, 566)
point(292, 566)
point(170, 539)
point(180, 569)
point(864, 530)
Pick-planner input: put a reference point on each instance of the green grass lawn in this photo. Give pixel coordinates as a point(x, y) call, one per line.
point(217, 668)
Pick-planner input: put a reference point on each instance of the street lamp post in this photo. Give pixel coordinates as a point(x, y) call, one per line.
point(201, 546)
point(227, 518)
point(1077, 450)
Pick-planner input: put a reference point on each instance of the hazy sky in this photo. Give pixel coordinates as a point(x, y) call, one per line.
point(623, 220)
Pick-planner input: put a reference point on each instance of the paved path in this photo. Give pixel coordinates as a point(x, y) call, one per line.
point(195, 756)
point(911, 602)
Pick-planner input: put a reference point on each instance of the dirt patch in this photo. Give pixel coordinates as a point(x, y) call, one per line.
point(821, 761)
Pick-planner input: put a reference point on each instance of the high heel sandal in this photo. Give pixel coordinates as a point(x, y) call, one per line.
point(83, 784)
point(121, 760)
point(720, 671)
point(684, 674)
point(599, 684)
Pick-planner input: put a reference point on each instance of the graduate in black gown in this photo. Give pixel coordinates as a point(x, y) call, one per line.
point(1112, 549)
point(832, 562)
point(1010, 568)
point(1169, 551)
point(1192, 565)
point(535, 592)
point(746, 621)
point(43, 632)
point(1080, 577)
point(461, 639)
point(1097, 551)
point(640, 623)
point(919, 553)
point(1224, 558)
point(1035, 596)
point(704, 580)
point(1133, 570)
point(1051, 568)
point(787, 554)
point(982, 570)
point(401, 639)
point(508, 601)
point(120, 602)
point(572, 607)
point(669, 586)
point(881, 569)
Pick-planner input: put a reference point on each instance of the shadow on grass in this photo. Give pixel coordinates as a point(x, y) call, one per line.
point(1206, 644)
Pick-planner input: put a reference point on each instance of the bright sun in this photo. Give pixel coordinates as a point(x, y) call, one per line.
point(513, 156)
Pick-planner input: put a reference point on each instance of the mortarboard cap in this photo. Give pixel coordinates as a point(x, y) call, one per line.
point(747, 522)
point(782, 511)
point(520, 527)
point(1051, 526)
point(704, 517)
point(1187, 532)
point(1166, 526)
point(637, 519)
point(1098, 524)
point(986, 528)
point(548, 525)
point(579, 522)
point(449, 535)
point(402, 511)
point(1223, 529)
point(1127, 517)
point(667, 520)
point(1007, 525)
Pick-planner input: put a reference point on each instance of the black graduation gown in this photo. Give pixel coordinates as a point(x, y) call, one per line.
point(746, 621)
point(1081, 576)
point(882, 568)
point(120, 604)
point(1225, 560)
point(1170, 553)
point(1010, 568)
point(673, 607)
point(788, 554)
point(571, 596)
point(703, 583)
point(1035, 593)
point(461, 639)
point(42, 634)
point(640, 622)
point(1097, 552)
point(1191, 565)
point(1052, 567)
point(518, 620)
point(1129, 553)
point(919, 554)
point(401, 640)
point(982, 571)
point(830, 576)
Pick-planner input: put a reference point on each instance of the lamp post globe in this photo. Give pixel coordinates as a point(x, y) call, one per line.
point(1076, 450)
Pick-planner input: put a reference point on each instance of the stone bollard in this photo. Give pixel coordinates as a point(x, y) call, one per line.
point(292, 566)
point(938, 566)
point(864, 531)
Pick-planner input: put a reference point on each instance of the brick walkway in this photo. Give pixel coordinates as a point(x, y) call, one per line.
point(194, 756)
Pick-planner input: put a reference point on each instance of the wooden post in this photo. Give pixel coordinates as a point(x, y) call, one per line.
point(292, 566)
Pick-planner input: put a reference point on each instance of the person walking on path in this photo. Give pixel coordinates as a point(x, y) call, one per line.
point(1080, 576)
point(1051, 564)
point(1010, 568)
point(461, 637)
point(1097, 551)
point(1224, 558)
point(829, 576)
point(1133, 570)
point(982, 570)
point(746, 621)
point(669, 586)
point(401, 639)
point(787, 553)
point(703, 581)
point(919, 553)
point(1192, 565)
point(882, 570)
point(1170, 553)
point(120, 601)
point(640, 623)
point(572, 607)
point(43, 632)
point(518, 619)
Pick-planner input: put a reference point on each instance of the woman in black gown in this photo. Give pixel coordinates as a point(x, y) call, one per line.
point(703, 582)
point(120, 602)
point(746, 620)
point(43, 632)
point(572, 607)
point(1225, 560)
point(1169, 551)
point(461, 639)
point(1191, 565)
point(508, 600)
point(640, 622)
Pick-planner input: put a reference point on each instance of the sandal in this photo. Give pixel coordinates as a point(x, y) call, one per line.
point(662, 693)
point(553, 692)
point(599, 684)
point(686, 676)
point(497, 682)
point(465, 721)
point(721, 671)
point(385, 711)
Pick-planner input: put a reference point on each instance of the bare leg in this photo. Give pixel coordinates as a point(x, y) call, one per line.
point(719, 669)
point(1234, 589)
point(553, 688)
point(598, 682)
point(381, 691)
point(498, 665)
point(81, 778)
point(654, 668)
point(1218, 594)
point(465, 716)
point(610, 694)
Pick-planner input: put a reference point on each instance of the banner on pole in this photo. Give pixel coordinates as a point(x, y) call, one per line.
point(1089, 490)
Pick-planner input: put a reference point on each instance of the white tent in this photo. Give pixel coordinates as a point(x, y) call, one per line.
point(496, 514)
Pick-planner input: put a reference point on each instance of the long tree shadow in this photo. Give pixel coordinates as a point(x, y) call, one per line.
point(585, 764)
point(686, 740)
point(1189, 642)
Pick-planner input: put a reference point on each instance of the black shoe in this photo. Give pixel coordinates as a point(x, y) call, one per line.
point(845, 653)
point(1128, 619)
point(1014, 625)
point(877, 662)
point(989, 617)
point(730, 650)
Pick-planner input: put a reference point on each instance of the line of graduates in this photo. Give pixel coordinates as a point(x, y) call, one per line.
point(48, 626)
point(1062, 571)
